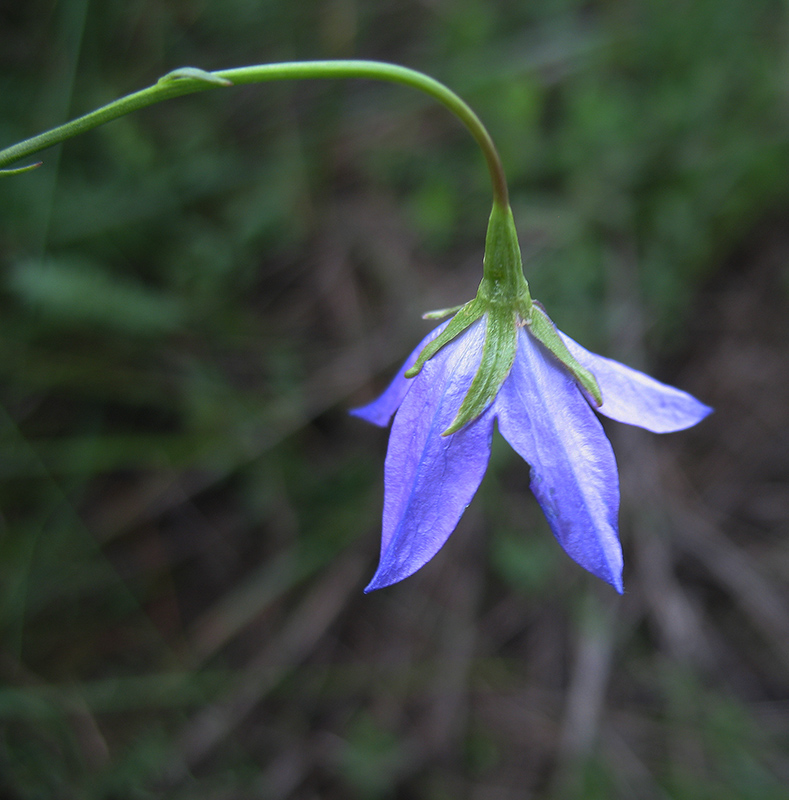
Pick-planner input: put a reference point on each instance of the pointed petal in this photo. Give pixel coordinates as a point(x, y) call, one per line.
point(632, 397)
point(380, 410)
point(430, 478)
point(546, 419)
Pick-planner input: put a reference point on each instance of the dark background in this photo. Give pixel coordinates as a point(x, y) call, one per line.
point(193, 296)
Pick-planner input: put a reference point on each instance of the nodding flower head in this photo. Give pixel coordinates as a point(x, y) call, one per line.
point(500, 358)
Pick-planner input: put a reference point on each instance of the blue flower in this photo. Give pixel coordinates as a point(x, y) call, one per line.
point(544, 412)
point(501, 359)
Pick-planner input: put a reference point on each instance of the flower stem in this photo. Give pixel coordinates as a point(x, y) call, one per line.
point(189, 80)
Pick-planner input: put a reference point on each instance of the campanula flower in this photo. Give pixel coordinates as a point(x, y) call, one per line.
point(506, 362)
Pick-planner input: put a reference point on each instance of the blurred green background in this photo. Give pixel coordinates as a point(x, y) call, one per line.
point(193, 296)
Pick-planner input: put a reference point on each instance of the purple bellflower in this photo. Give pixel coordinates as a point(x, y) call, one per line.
point(501, 358)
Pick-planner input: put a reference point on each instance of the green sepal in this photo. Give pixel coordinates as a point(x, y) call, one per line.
point(468, 314)
point(498, 354)
point(441, 313)
point(543, 329)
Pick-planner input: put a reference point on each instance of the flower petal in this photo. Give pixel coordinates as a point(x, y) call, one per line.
point(546, 419)
point(380, 410)
point(430, 478)
point(632, 397)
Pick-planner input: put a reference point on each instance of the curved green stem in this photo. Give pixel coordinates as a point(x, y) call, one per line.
point(189, 80)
